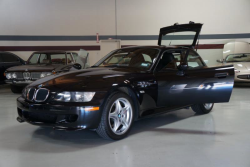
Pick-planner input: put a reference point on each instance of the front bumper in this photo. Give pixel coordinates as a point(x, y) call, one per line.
point(57, 116)
point(19, 82)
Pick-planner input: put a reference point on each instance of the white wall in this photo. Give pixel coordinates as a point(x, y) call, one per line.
point(134, 17)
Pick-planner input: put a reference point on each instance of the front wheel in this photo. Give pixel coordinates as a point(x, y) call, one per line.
point(202, 108)
point(117, 117)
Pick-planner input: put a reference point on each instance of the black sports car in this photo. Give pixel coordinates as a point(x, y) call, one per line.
point(126, 85)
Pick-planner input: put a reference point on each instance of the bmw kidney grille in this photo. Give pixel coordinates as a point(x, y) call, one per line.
point(39, 95)
point(30, 94)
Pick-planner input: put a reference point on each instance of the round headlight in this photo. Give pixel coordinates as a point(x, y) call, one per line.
point(14, 75)
point(8, 75)
point(42, 75)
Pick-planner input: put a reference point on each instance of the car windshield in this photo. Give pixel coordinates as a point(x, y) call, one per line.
point(142, 58)
point(238, 58)
point(178, 38)
point(48, 58)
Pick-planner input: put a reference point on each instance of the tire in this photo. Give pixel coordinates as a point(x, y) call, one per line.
point(116, 121)
point(202, 108)
point(16, 89)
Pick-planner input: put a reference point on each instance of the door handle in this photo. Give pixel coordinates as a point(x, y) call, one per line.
point(221, 75)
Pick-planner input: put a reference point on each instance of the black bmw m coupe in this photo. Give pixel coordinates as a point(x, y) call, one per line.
point(129, 84)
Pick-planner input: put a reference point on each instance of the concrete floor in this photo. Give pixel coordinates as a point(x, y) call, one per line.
point(177, 139)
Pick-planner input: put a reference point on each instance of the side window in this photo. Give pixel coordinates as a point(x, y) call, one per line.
point(1, 60)
point(169, 61)
point(194, 61)
point(44, 59)
point(9, 58)
point(34, 59)
point(58, 58)
point(147, 58)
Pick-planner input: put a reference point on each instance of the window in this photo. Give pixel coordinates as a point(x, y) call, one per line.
point(58, 58)
point(194, 61)
point(34, 59)
point(70, 59)
point(9, 58)
point(133, 57)
point(44, 59)
point(1, 60)
point(238, 58)
point(171, 60)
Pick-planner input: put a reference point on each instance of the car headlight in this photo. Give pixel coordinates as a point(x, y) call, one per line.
point(14, 75)
point(74, 96)
point(8, 75)
point(45, 74)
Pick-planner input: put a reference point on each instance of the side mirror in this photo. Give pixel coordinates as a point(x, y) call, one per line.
point(77, 66)
point(220, 61)
point(181, 69)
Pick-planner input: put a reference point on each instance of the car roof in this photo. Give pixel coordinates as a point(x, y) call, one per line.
point(54, 51)
point(158, 47)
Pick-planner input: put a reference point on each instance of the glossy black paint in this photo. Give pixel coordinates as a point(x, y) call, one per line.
point(152, 92)
point(7, 64)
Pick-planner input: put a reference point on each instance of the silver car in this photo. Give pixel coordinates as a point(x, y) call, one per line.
point(241, 62)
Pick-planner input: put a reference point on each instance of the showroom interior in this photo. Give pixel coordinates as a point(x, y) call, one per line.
point(88, 34)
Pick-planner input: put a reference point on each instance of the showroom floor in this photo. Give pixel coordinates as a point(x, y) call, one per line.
point(221, 138)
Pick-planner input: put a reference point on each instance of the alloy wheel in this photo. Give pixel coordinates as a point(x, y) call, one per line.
point(120, 116)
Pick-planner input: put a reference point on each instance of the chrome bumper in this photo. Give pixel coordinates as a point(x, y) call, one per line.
point(16, 82)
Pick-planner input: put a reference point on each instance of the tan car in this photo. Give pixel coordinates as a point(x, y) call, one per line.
point(241, 62)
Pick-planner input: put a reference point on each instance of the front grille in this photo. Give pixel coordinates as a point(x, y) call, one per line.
point(38, 95)
point(26, 75)
point(41, 95)
point(40, 117)
point(19, 75)
point(30, 94)
point(35, 75)
point(243, 76)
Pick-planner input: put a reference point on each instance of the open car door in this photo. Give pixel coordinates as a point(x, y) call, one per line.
point(185, 78)
point(180, 34)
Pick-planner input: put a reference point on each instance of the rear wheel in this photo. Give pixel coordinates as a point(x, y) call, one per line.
point(202, 108)
point(16, 89)
point(117, 117)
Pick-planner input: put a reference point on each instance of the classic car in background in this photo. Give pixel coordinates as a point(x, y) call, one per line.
point(241, 62)
point(8, 60)
point(42, 64)
point(126, 85)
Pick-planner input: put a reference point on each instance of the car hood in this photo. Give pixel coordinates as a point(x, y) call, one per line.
point(40, 67)
point(97, 79)
point(242, 66)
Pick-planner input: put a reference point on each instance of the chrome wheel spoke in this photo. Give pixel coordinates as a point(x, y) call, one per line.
point(208, 105)
point(118, 106)
point(117, 124)
point(124, 124)
point(113, 116)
